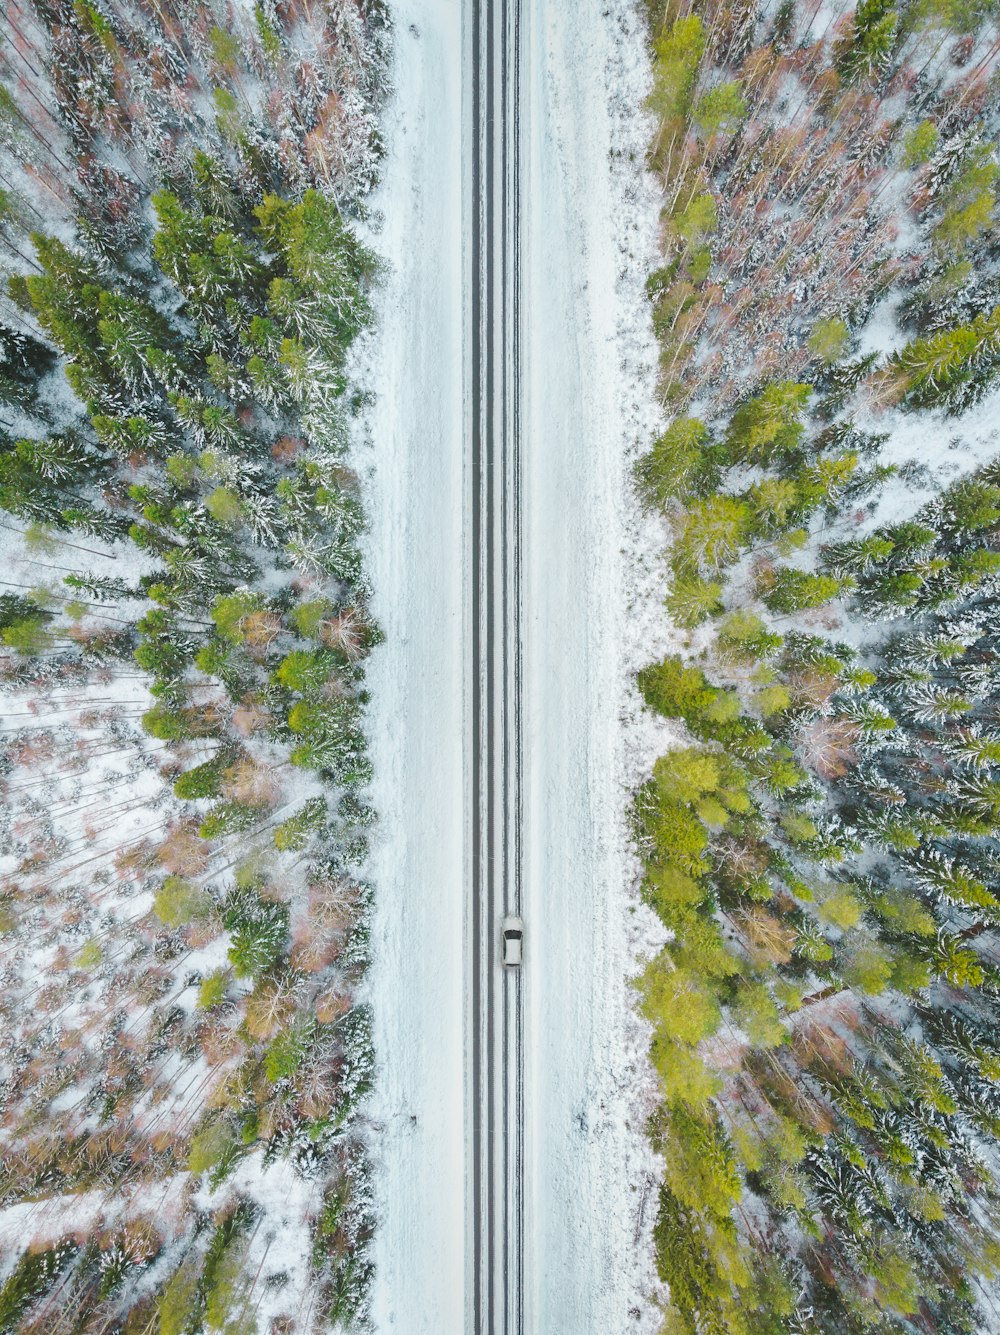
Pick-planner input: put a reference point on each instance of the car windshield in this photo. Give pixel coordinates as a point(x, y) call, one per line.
point(512, 933)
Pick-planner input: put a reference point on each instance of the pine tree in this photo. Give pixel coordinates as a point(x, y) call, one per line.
point(768, 426)
point(950, 369)
point(793, 590)
point(869, 49)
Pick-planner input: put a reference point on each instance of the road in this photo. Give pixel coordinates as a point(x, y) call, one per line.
point(506, 1134)
point(496, 1020)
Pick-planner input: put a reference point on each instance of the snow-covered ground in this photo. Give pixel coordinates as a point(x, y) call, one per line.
point(415, 561)
point(589, 359)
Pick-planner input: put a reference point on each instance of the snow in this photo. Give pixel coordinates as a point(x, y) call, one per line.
point(591, 620)
point(44, 1221)
point(281, 1242)
point(949, 448)
point(593, 616)
point(414, 560)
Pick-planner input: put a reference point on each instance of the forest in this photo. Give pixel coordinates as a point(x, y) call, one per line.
point(184, 627)
point(820, 839)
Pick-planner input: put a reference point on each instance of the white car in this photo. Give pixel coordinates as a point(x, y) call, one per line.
point(513, 939)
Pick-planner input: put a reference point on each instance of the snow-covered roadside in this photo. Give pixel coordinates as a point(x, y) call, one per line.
point(592, 617)
point(414, 560)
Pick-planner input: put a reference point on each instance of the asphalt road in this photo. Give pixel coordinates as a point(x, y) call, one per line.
point(496, 1020)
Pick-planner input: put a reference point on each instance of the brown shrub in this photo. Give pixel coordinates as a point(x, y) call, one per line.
point(182, 851)
point(269, 1007)
point(250, 783)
